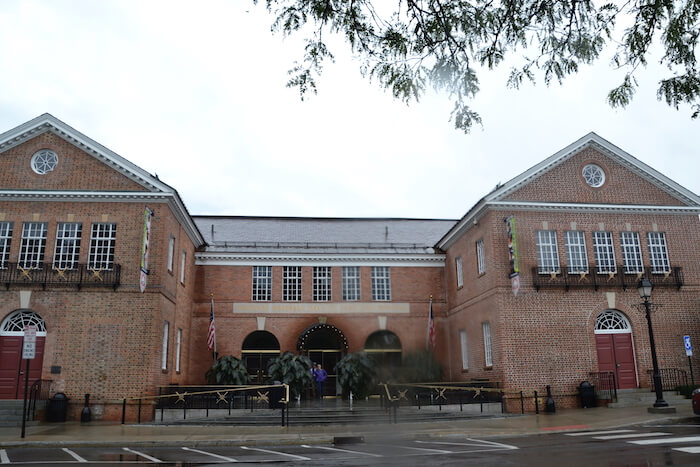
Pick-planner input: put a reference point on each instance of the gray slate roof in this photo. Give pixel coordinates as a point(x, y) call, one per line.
point(321, 235)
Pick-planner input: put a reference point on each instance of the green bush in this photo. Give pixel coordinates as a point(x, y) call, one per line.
point(291, 369)
point(228, 370)
point(687, 390)
point(420, 367)
point(356, 373)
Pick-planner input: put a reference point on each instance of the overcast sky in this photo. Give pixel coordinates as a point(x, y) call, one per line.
point(195, 92)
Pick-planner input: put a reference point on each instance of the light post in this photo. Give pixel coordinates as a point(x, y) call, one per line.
point(644, 288)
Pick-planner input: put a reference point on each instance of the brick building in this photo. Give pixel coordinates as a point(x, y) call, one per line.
point(80, 226)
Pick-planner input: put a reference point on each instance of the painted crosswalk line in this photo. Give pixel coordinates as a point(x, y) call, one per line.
point(216, 456)
point(594, 433)
point(269, 451)
point(689, 450)
point(74, 455)
point(342, 450)
point(145, 456)
point(632, 435)
point(682, 439)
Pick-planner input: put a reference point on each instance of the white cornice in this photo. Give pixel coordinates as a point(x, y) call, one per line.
point(272, 259)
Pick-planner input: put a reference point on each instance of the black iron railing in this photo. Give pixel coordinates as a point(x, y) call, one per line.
point(441, 394)
point(591, 278)
point(48, 276)
point(605, 384)
point(38, 391)
point(671, 378)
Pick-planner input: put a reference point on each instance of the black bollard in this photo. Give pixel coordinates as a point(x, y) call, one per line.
point(86, 415)
point(550, 407)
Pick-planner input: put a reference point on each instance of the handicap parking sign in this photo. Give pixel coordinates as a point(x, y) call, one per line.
point(688, 347)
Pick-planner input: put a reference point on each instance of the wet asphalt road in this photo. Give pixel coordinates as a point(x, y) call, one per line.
point(668, 444)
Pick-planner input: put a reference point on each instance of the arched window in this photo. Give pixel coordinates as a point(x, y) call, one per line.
point(385, 347)
point(16, 321)
point(612, 321)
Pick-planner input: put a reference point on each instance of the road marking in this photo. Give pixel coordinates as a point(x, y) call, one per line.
point(3, 457)
point(632, 435)
point(341, 450)
point(693, 450)
point(217, 456)
point(565, 427)
point(437, 451)
point(683, 439)
point(145, 456)
point(293, 456)
point(75, 456)
point(493, 443)
point(593, 433)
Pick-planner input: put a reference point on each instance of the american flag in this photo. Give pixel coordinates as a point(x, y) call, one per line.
point(211, 335)
point(430, 340)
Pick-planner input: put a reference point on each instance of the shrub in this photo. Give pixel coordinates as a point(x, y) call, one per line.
point(228, 370)
point(356, 374)
point(420, 367)
point(291, 369)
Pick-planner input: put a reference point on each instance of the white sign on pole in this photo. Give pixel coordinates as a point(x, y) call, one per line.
point(29, 344)
point(688, 347)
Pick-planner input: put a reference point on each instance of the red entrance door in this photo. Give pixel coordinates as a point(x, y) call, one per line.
point(615, 354)
point(12, 367)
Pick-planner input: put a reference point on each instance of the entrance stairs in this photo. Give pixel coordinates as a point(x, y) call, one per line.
point(11, 413)
point(645, 398)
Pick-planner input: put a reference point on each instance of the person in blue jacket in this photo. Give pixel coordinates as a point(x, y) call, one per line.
point(320, 376)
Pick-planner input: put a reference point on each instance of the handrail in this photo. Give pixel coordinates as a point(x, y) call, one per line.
point(37, 391)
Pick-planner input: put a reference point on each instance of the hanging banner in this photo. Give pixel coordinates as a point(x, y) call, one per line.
point(143, 281)
point(513, 254)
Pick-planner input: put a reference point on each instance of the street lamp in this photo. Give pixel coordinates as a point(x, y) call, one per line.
point(644, 288)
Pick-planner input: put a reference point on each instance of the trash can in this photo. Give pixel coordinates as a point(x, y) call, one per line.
point(587, 392)
point(58, 406)
point(275, 396)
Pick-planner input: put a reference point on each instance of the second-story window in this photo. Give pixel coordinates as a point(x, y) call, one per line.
point(5, 240)
point(102, 242)
point(291, 284)
point(658, 253)
point(31, 254)
point(171, 253)
point(604, 252)
point(183, 262)
point(480, 257)
point(381, 283)
point(351, 283)
point(67, 249)
point(547, 256)
point(576, 251)
point(631, 253)
point(262, 283)
point(460, 272)
point(322, 283)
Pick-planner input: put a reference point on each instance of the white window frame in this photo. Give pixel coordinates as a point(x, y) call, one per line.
point(631, 253)
point(103, 239)
point(460, 272)
point(322, 284)
point(604, 252)
point(31, 254)
point(171, 253)
point(291, 283)
point(547, 253)
point(178, 349)
point(183, 262)
point(351, 283)
point(67, 249)
point(465, 349)
point(658, 252)
point(5, 243)
point(576, 255)
point(164, 357)
point(262, 283)
point(381, 283)
point(480, 257)
point(488, 351)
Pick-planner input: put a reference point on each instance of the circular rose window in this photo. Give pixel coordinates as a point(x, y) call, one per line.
point(44, 161)
point(593, 175)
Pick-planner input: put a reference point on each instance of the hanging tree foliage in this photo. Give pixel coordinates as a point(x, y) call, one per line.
point(408, 45)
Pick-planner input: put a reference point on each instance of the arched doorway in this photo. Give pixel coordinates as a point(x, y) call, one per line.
point(324, 344)
point(613, 338)
point(385, 349)
point(258, 349)
point(12, 367)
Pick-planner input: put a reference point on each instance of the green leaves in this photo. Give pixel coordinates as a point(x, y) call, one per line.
point(419, 43)
point(356, 374)
point(228, 370)
point(292, 369)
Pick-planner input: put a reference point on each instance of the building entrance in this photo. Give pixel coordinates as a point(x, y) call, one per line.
point(258, 349)
point(613, 336)
point(12, 367)
point(324, 344)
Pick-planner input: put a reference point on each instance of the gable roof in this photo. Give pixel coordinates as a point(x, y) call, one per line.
point(157, 190)
point(496, 199)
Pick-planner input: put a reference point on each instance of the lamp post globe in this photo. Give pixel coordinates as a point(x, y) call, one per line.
point(644, 288)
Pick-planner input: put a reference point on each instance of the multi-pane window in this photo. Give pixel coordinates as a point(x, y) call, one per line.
point(351, 283)
point(31, 254)
point(547, 256)
point(480, 258)
point(291, 284)
point(67, 248)
point(322, 283)
point(5, 239)
point(460, 271)
point(381, 283)
point(576, 251)
point(631, 253)
point(262, 283)
point(604, 252)
point(465, 353)
point(658, 253)
point(102, 241)
point(171, 253)
point(488, 355)
point(164, 356)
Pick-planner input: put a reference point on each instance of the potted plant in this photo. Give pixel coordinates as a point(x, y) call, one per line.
point(228, 370)
point(356, 374)
point(291, 369)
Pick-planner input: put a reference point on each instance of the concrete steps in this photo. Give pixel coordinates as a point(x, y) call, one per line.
point(645, 398)
point(11, 413)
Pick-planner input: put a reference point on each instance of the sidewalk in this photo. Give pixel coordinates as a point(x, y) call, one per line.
point(110, 434)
